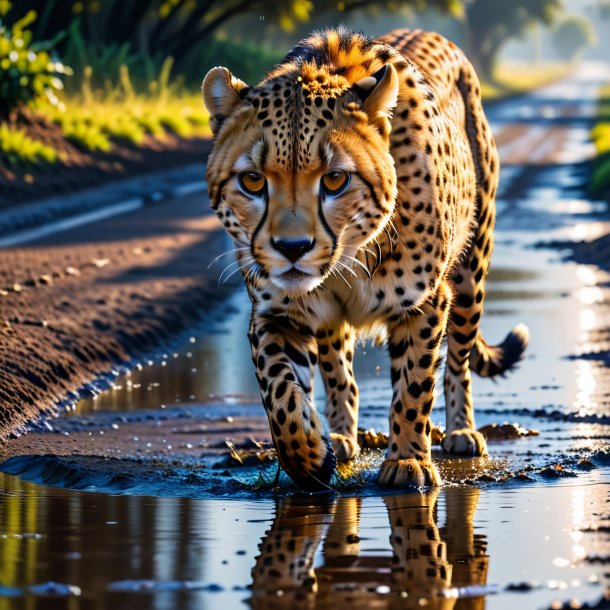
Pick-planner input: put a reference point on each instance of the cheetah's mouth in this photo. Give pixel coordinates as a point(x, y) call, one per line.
point(294, 281)
point(295, 275)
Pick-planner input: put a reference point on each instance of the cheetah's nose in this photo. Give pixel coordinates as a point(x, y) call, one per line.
point(293, 249)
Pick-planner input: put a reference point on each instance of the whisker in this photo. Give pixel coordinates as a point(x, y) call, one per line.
point(225, 254)
point(229, 266)
point(239, 266)
point(253, 271)
point(359, 263)
point(342, 277)
point(235, 271)
point(346, 267)
point(378, 249)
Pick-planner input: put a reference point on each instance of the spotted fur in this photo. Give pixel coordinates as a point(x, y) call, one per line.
point(400, 251)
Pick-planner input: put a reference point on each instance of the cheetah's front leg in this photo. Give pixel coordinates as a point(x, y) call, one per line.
point(284, 357)
point(336, 352)
point(414, 352)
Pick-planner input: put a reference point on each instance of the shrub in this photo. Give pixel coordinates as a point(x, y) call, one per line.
point(27, 70)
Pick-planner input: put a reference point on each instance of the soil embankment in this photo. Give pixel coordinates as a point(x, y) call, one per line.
point(74, 306)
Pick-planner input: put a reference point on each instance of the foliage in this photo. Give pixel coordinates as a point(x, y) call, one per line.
point(93, 118)
point(17, 149)
point(27, 70)
point(95, 125)
point(248, 61)
point(146, 30)
point(572, 36)
point(84, 134)
point(491, 24)
point(600, 179)
point(104, 61)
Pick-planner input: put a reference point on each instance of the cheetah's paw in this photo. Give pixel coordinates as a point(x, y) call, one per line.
point(465, 442)
point(310, 465)
point(408, 473)
point(344, 447)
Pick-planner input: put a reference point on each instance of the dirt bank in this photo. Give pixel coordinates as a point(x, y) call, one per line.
point(74, 306)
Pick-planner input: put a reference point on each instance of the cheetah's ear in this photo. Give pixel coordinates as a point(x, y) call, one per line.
point(221, 93)
point(379, 94)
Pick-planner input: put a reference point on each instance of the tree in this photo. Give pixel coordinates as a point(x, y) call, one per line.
point(176, 27)
point(490, 24)
point(572, 36)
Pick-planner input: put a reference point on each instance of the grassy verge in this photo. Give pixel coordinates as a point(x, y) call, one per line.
point(99, 124)
point(512, 78)
point(99, 121)
point(600, 178)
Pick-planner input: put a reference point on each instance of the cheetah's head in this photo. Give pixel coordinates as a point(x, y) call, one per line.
point(300, 173)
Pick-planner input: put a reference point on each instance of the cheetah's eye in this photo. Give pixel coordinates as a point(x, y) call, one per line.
point(252, 183)
point(334, 183)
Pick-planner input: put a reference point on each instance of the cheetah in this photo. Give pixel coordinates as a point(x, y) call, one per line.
point(357, 181)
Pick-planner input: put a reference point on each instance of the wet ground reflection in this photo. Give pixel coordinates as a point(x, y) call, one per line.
point(457, 547)
point(425, 565)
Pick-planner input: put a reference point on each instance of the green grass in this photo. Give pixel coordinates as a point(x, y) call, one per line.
point(19, 150)
point(96, 120)
point(600, 178)
point(511, 78)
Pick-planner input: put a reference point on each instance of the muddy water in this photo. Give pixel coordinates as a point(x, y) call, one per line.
point(129, 500)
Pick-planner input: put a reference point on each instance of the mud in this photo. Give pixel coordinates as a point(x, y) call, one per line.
point(86, 302)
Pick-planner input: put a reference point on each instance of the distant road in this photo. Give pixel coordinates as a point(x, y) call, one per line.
point(550, 125)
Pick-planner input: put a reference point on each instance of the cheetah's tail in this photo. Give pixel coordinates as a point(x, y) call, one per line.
point(492, 360)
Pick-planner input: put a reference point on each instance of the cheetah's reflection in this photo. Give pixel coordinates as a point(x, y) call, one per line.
point(425, 559)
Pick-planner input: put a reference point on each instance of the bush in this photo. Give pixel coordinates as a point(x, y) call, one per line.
point(85, 135)
point(27, 70)
point(248, 61)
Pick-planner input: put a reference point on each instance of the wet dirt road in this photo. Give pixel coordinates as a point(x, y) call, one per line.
point(168, 529)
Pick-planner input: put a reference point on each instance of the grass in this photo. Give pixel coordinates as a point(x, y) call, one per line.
point(96, 120)
point(512, 78)
point(600, 178)
point(21, 151)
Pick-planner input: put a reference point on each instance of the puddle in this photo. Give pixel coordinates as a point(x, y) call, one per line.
point(448, 547)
